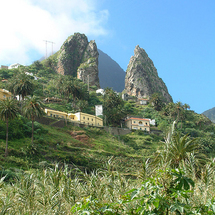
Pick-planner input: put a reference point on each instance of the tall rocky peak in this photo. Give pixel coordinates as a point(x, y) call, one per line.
point(79, 58)
point(142, 79)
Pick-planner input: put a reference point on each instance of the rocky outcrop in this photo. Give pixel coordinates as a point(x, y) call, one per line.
point(88, 69)
point(79, 58)
point(142, 78)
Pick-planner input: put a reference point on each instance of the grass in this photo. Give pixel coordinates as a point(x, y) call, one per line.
point(60, 145)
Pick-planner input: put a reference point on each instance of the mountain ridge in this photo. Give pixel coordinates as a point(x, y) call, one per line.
point(110, 73)
point(210, 113)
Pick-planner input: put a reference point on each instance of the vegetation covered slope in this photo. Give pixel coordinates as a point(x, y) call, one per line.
point(167, 171)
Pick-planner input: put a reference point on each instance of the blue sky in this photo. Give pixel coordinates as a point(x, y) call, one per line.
point(179, 37)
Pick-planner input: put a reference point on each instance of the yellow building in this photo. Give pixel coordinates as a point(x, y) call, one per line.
point(56, 114)
point(82, 118)
point(138, 123)
point(4, 94)
point(89, 119)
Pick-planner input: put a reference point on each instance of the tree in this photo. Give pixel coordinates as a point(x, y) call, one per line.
point(157, 102)
point(113, 107)
point(186, 106)
point(37, 65)
point(69, 86)
point(8, 111)
point(21, 84)
point(177, 111)
point(178, 149)
point(33, 108)
point(81, 105)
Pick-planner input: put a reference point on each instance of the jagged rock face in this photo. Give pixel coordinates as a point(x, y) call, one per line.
point(79, 58)
point(142, 78)
point(88, 69)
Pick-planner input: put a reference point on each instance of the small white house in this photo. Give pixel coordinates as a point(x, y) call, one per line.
point(100, 91)
point(14, 66)
point(152, 122)
point(143, 101)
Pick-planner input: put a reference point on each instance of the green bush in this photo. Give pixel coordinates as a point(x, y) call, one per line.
point(20, 128)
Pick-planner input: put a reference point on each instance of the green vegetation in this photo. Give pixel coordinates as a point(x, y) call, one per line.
point(33, 108)
point(167, 171)
point(8, 111)
point(113, 108)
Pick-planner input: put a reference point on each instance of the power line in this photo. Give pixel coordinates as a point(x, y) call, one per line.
point(46, 41)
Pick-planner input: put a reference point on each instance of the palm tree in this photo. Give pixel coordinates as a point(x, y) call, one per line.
point(179, 108)
point(157, 102)
point(178, 149)
point(8, 111)
point(186, 106)
point(33, 108)
point(181, 147)
point(21, 84)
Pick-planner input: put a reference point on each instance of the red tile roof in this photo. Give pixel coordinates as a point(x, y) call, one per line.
point(137, 119)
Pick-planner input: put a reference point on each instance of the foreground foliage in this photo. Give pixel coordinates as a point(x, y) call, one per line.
point(60, 190)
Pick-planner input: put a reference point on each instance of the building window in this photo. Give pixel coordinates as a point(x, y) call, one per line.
point(145, 129)
point(92, 119)
point(83, 117)
point(50, 114)
point(134, 122)
point(146, 123)
point(140, 128)
point(88, 119)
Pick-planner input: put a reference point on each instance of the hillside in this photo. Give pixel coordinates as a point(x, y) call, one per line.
point(77, 170)
point(210, 114)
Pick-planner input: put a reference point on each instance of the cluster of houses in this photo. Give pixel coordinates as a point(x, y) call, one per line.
point(133, 123)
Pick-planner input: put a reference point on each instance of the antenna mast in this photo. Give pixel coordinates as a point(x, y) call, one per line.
point(46, 41)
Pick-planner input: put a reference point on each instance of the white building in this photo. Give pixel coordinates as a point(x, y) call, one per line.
point(99, 110)
point(100, 91)
point(14, 66)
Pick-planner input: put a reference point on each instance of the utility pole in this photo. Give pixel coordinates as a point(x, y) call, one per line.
point(46, 47)
point(88, 83)
point(52, 45)
point(46, 41)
